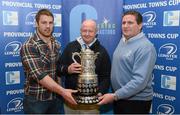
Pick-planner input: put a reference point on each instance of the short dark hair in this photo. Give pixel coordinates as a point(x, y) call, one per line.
point(138, 16)
point(43, 12)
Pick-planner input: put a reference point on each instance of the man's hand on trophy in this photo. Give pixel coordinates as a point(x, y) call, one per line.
point(99, 94)
point(74, 68)
point(68, 96)
point(106, 98)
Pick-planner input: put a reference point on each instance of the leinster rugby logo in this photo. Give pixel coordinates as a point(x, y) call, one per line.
point(15, 105)
point(165, 109)
point(13, 48)
point(168, 51)
point(149, 19)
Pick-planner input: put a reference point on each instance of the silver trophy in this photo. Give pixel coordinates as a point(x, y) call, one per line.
point(87, 82)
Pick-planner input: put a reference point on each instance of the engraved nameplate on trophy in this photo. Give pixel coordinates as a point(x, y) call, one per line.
point(87, 81)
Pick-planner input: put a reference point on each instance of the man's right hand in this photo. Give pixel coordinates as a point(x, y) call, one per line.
point(67, 95)
point(106, 98)
point(74, 68)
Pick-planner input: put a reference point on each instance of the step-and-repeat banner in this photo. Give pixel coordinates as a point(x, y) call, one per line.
point(162, 27)
point(17, 25)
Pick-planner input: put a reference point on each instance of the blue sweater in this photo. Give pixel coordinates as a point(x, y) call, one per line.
point(132, 66)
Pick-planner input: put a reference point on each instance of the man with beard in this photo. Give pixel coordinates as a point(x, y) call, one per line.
point(39, 56)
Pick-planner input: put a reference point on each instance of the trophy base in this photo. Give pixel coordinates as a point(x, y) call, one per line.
point(87, 99)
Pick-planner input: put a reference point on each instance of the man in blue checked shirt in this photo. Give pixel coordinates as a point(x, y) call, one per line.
point(39, 56)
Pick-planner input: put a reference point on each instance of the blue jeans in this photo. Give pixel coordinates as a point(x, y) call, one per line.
point(34, 106)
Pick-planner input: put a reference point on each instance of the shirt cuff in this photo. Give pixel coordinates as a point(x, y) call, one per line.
point(42, 76)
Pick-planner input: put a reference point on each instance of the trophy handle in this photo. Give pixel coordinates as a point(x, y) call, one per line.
point(75, 54)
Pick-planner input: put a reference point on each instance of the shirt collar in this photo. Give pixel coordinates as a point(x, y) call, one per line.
point(39, 39)
point(133, 38)
point(81, 42)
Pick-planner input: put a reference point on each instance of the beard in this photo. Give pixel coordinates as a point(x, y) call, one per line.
point(46, 32)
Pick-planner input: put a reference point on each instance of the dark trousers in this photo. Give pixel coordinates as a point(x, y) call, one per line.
point(131, 107)
point(33, 106)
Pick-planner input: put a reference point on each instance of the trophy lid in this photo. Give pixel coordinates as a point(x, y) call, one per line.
point(88, 51)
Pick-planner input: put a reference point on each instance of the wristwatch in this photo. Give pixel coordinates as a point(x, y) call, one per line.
point(115, 97)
